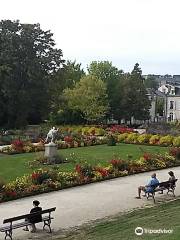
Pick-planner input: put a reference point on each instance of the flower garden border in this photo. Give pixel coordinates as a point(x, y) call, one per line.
point(110, 177)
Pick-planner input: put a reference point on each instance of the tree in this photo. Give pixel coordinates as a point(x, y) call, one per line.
point(72, 73)
point(88, 96)
point(112, 76)
point(28, 58)
point(135, 101)
point(65, 77)
point(160, 103)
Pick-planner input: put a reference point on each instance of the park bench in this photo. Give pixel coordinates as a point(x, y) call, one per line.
point(160, 187)
point(15, 223)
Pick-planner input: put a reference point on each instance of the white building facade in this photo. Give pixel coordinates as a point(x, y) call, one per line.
point(172, 107)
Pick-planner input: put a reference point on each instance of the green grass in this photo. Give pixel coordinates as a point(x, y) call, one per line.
point(13, 166)
point(165, 216)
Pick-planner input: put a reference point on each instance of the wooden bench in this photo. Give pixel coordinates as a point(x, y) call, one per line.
point(160, 187)
point(15, 223)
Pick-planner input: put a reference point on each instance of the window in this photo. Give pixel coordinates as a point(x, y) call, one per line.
point(171, 105)
point(171, 117)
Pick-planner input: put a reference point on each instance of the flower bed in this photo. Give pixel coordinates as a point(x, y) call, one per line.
point(45, 180)
point(150, 139)
point(79, 140)
point(19, 146)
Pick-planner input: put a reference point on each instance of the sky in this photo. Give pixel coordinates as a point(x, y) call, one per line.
point(121, 31)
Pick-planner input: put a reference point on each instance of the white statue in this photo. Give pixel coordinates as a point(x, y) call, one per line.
point(52, 134)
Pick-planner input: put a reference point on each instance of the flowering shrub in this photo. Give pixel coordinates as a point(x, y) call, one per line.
point(43, 180)
point(147, 156)
point(67, 178)
point(120, 129)
point(144, 138)
point(135, 167)
point(122, 137)
point(154, 139)
point(18, 145)
point(149, 139)
point(175, 152)
point(176, 142)
point(103, 172)
point(119, 164)
point(132, 138)
point(166, 140)
point(68, 139)
point(85, 171)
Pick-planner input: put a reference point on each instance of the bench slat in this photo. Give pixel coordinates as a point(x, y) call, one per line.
point(9, 220)
point(22, 224)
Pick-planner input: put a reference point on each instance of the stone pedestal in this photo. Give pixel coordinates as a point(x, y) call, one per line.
point(51, 152)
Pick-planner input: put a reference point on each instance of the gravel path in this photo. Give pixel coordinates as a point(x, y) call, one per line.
point(79, 205)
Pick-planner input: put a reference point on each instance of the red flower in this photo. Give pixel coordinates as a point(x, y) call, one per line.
point(115, 162)
point(11, 194)
point(147, 156)
point(174, 151)
point(18, 145)
point(68, 139)
point(78, 168)
point(121, 129)
point(35, 176)
point(103, 172)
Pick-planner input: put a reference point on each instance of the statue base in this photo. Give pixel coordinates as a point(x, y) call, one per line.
point(51, 152)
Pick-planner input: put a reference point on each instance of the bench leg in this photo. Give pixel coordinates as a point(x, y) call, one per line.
point(8, 234)
point(47, 223)
point(150, 195)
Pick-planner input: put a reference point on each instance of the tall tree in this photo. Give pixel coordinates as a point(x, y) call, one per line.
point(65, 77)
point(112, 76)
point(135, 101)
point(88, 96)
point(28, 58)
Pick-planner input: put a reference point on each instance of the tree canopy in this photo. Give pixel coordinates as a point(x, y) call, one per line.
point(37, 84)
point(28, 57)
point(90, 97)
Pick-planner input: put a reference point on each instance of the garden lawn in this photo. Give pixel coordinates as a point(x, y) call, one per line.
point(12, 166)
point(165, 216)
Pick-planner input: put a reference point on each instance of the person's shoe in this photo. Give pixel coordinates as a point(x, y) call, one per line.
point(138, 197)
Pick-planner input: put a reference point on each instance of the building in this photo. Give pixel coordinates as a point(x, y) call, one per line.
point(165, 79)
point(172, 107)
point(172, 101)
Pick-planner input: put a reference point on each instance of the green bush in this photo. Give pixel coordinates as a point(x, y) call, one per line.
point(111, 141)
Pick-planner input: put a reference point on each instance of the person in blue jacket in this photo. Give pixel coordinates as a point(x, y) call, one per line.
point(153, 183)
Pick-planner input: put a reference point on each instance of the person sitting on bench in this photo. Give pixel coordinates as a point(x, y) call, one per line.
point(36, 218)
point(149, 187)
point(172, 178)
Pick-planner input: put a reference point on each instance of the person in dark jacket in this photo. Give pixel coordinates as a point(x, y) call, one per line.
point(34, 219)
